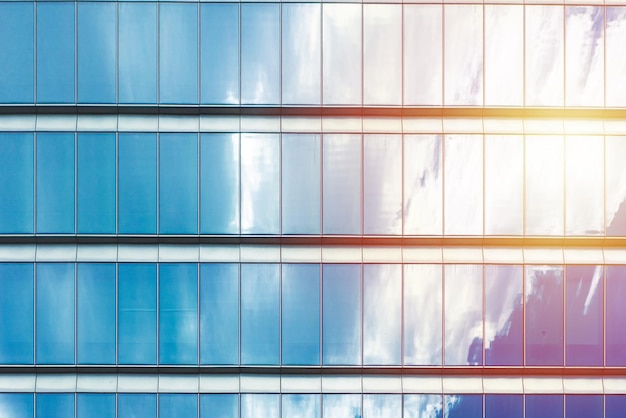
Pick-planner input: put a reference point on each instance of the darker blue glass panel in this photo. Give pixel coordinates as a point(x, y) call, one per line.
point(96, 52)
point(544, 406)
point(219, 406)
point(91, 405)
point(55, 313)
point(96, 183)
point(136, 406)
point(178, 175)
point(583, 406)
point(96, 313)
point(55, 52)
point(178, 313)
point(17, 311)
point(137, 313)
point(174, 406)
point(17, 52)
point(137, 184)
point(260, 318)
point(18, 405)
point(615, 316)
point(55, 183)
point(219, 52)
point(615, 405)
point(300, 314)
point(509, 406)
point(178, 53)
point(55, 405)
point(219, 313)
point(463, 406)
point(16, 183)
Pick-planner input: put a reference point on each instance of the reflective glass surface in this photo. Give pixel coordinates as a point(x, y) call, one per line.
point(54, 405)
point(615, 405)
point(219, 406)
point(17, 405)
point(260, 405)
point(463, 406)
point(615, 185)
point(136, 405)
point(173, 406)
point(16, 303)
point(615, 60)
point(301, 406)
point(341, 406)
point(584, 406)
point(544, 406)
point(615, 316)
point(510, 406)
point(382, 406)
point(422, 406)
point(17, 52)
point(17, 182)
point(91, 405)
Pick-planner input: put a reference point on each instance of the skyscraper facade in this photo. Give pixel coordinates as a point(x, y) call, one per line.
point(322, 209)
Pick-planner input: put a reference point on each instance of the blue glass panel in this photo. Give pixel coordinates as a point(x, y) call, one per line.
point(55, 183)
point(55, 405)
point(137, 53)
point(301, 406)
point(382, 314)
point(544, 315)
point(136, 406)
point(96, 52)
point(137, 313)
point(219, 313)
point(544, 406)
point(300, 335)
point(342, 184)
point(174, 406)
point(219, 53)
point(301, 184)
point(219, 406)
point(260, 306)
point(583, 406)
point(382, 406)
point(55, 52)
point(510, 406)
point(266, 406)
point(178, 313)
point(96, 183)
point(17, 405)
point(341, 326)
point(178, 53)
point(463, 406)
point(137, 183)
point(16, 183)
point(16, 52)
point(260, 53)
point(615, 316)
point(585, 302)
point(16, 303)
point(503, 316)
point(96, 313)
point(55, 313)
point(178, 176)
point(615, 405)
point(423, 406)
point(341, 406)
point(90, 405)
point(219, 184)
point(260, 184)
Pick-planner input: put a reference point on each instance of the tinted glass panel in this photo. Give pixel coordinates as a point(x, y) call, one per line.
point(583, 406)
point(340, 406)
point(382, 406)
point(544, 406)
point(17, 405)
point(463, 406)
point(173, 406)
point(302, 406)
point(615, 405)
point(16, 303)
point(510, 406)
point(615, 316)
point(53, 406)
point(95, 406)
point(420, 406)
point(16, 52)
point(16, 183)
point(136, 406)
point(615, 184)
point(219, 406)
point(253, 406)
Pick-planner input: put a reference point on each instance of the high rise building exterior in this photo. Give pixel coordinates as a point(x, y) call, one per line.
point(321, 209)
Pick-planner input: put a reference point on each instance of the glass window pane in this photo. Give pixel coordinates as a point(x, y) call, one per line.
point(301, 53)
point(615, 405)
point(615, 185)
point(615, 58)
point(137, 313)
point(260, 183)
point(300, 311)
point(178, 53)
point(301, 184)
point(97, 47)
point(136, 405)
point(422, 314)
point(219, 53)
point(503, 316)
point(55, 313)
point(544, 184)
point(16, 303)
point(423, 185)
point(463, 48)
point(615, 316)
point(584, 66)
point(17, 405)
point(584, 185)
point(96, 183)
point(173, 406)
point(96, 313)
point(341, 406)
point(342, 314)
point(544, 315)
point(422, 406)
point(342, 184)
point(301, 406)
point(463, 406)
point(55, 183)
point(382, 315)
point(257, 405)
point(341, 53)
point(463, 316)
point(138, 52)
point(55, 405)
point(584, 406)
point(17, 52)
point(544, 55)
point(382, 406)
point(178, 184)
point(95, 405)
point(219, 313)
point(219, 183)
point(260, 53)
point(510, 406)
point(382, 198)
point(382, 54)
point(260, 314)
point(544, 406)
point(178, 313)
point(137, 183)
point(16, 183)
point(55, 52)
point(219, 406)
point(464, 185)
